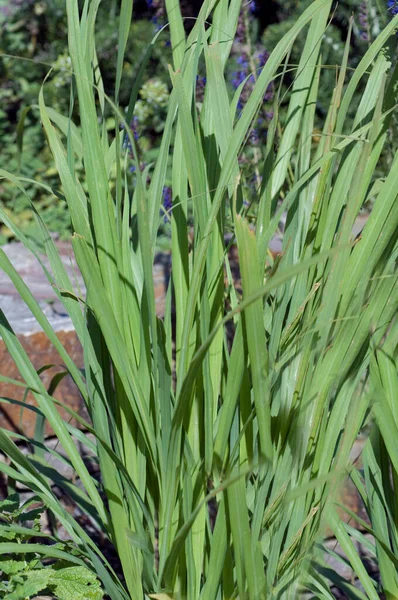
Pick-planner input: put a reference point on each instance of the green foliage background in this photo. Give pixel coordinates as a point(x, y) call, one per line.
point(35, 31)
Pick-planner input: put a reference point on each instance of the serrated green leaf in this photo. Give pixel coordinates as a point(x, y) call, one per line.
point(7, 534)
point(12, 566)
point(75, 583)
point(35, 582)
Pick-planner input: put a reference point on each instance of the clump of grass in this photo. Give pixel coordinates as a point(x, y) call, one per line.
point(260, 429)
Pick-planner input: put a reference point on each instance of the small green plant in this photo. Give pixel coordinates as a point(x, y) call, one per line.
point(32, 561)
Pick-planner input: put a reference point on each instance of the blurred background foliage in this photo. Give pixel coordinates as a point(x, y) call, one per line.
point(36, 31)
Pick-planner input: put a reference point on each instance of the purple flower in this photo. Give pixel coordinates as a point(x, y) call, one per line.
point(133, 168)
point(167, 203)
point(158, 25)
point(157, 8)
point(200, 87)
point(134, 130)
point(247, 69)
point(239, 77)
point(243, 73)
point(134, 127)
point(392, 6)
point(262, 58)
point(127, 145)
point(243, 70)
point(241, 29)
point(254, 137)
point(269, 94)
point(363, 21)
